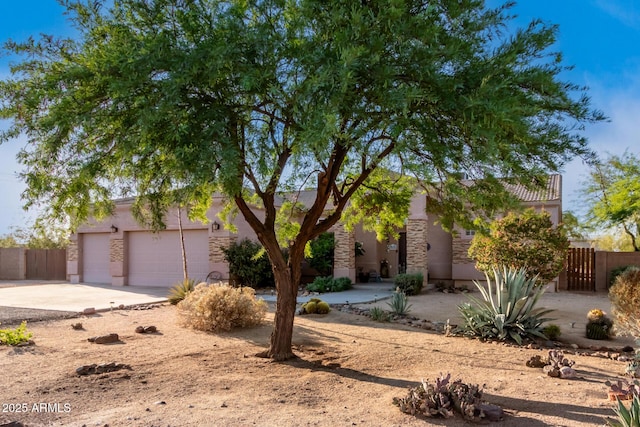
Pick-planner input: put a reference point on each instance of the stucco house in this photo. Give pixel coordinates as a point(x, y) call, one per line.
point(120, 252)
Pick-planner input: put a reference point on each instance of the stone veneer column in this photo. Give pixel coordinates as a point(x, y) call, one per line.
point(344, 256)
point(218, 240)
point(117, 264)
point(417, 247)
point(73, 259)
point(460, 249)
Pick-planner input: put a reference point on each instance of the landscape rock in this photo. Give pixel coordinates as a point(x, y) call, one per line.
point(567, 372)
point(104, 339)
point(101, 368)
point(146, 330)
point(491, 412)
point(551, 371)
point(536, 362)
point(89, 311)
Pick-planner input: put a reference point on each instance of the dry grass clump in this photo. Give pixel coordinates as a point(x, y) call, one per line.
point(221, 308)
point(625, 299)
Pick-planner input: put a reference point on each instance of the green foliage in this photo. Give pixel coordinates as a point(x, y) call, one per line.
point(445, 397)
point(399, 303)
point(627, 417)
point(378, 314)
point(15, 336)
point(573, 227)
point(178, 292)
point(612, 194)
point(42, 234)
point(259, 100)
point(528, 240)
point(552, 332)
point(249, 264)
point(329, 284)
point(321, 258)
point(625, 300)
point(410, 284)
point(507, 310)
point(218, 308)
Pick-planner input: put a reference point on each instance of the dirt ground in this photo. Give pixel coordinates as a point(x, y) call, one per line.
point(348, 372)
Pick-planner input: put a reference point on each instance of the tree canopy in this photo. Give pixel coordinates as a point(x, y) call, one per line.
point(527, 240)
point(612, 194)
point(260, 98)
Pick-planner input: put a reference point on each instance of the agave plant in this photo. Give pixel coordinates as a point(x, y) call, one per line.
point(627, 417)
point(507, 309)
point(180, 291)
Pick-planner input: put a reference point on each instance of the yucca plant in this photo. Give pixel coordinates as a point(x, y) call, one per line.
point(181, 290)
point(399, 303)
point(627, 417)
point(507, 310)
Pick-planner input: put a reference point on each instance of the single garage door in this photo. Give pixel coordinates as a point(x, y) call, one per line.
point(95, 258)
point(155, 259)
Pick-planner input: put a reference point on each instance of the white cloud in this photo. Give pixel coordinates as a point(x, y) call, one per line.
point(625, 11)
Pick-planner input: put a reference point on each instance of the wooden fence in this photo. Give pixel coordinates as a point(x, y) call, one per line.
point(46, 264)
point(581, 274)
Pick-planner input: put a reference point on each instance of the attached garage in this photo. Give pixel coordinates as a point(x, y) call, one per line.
point(155, 259)
point(95, 258)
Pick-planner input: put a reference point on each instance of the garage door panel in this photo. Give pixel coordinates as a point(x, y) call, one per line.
point(155, 259)
point(95, 258)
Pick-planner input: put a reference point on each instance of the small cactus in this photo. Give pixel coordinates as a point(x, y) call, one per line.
point(596, 331)
point(322, 307)
point(310, 307)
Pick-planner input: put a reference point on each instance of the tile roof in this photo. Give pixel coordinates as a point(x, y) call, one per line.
point(552, 192)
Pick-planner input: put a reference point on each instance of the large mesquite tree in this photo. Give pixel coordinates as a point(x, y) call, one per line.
point(257, 99)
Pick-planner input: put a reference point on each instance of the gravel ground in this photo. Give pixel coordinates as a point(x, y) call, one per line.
point(15, 315)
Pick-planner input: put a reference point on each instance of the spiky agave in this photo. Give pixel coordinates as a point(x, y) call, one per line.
point(507, 309)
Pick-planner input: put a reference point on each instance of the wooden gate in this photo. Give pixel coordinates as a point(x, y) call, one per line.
point(46, 264)
point(581, 269)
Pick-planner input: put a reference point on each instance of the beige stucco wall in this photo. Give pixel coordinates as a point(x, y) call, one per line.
point(13, 264)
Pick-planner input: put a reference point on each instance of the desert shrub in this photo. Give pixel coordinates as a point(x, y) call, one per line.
point(507, 310)
point(15, 336)
point(615, 272)
point(322, 249)
point(410, 284)
point(249, 264)
point(378, 314)
point(329, 284)
point(445, 397)
point(552, 332)
point(399, 303)
point(528, 240)
point(625, 300)
point(221, 308)
point(178, 292)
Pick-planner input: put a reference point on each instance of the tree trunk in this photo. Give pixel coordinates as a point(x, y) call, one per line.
point(287, 277)
point(182, 248)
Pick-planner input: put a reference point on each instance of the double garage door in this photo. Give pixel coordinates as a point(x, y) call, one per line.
point(153, 259)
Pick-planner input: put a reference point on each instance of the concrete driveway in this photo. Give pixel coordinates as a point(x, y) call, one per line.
point(64, 296)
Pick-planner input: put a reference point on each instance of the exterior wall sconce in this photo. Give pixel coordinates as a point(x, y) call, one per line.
point(114, 229)
point(215, 226)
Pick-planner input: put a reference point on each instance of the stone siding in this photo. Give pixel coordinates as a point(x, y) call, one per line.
point(344, 256)
point(116, 250)
point(460, 249)
point(417, 246)
point(216, 243)
point(72, 251)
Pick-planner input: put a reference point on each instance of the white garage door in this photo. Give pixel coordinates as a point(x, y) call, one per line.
point(156, 259)
point(95, 258)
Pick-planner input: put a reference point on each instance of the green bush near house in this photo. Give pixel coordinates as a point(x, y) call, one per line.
point(409, 284)
point(249, 264)
point(329, 284)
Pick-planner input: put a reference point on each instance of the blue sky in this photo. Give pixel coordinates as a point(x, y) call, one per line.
point(600, 38)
